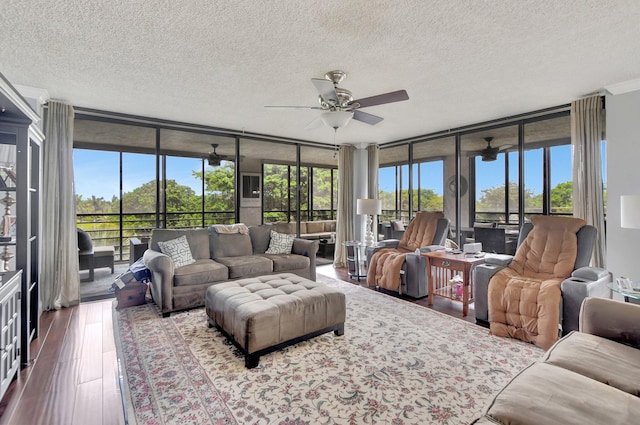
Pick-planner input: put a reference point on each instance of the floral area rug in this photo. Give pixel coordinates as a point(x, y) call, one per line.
point(397, 363)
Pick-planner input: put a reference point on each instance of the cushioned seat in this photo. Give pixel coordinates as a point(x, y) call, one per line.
point(264, 313)
point(527, 399)
point(591, 356)
point(287, 262)
point(203, 270)
point(246, 265)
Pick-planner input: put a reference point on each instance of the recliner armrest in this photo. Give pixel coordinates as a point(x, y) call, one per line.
point(590, 273)
point(481, 275)
point(498, 259)
point(431, 248)
point(584, 282)
point(387, 243)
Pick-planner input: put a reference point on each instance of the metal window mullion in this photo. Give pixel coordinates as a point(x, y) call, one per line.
point(521, 183)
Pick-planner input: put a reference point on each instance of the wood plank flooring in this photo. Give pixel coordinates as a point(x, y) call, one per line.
point(73, 375)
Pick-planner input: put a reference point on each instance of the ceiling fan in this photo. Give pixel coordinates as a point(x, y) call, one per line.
point(214, 159)
point(339, 105)
point(490, 153)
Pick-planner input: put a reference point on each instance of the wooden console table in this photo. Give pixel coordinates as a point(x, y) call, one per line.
point(442, 267)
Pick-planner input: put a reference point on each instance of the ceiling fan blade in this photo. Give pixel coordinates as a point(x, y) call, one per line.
point(366, 118)
point(326, 89)
point(394, 96)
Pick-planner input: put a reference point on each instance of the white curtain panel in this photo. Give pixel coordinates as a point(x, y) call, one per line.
point(60, 278)
point(373, 164)
point(586, 136)
point(344, 223)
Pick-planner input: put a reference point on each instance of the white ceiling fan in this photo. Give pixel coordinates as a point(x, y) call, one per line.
point(338, 104)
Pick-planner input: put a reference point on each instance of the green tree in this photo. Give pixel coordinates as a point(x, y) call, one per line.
point(219, 187)
point(562, 198)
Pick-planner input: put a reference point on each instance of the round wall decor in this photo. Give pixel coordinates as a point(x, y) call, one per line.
point(451, 185)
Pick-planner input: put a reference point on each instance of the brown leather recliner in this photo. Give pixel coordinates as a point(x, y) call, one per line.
point(426, 232)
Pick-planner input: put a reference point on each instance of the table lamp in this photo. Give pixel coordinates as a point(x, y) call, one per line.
point(369, 207)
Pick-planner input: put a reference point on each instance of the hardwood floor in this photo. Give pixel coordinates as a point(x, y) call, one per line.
point(73, 375)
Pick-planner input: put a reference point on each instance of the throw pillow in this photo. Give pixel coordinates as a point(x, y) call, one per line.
point(281, 243)
point(179, 251)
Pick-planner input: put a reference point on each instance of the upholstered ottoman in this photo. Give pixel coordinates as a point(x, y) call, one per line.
point(266, 313)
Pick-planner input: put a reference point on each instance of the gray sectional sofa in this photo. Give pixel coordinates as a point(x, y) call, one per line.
point(219, 257)
point(588, 377)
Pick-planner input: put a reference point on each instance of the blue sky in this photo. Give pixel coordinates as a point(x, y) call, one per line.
point(491, 174)
point(97, 172)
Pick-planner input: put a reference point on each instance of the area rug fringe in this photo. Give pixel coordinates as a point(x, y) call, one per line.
point(398, 363)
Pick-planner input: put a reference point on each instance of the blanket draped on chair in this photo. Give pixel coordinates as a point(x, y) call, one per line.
point(524, 298)
point(384, 270)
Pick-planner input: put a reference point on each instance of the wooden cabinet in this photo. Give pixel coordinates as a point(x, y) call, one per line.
point(9, 328)
point(20, 165)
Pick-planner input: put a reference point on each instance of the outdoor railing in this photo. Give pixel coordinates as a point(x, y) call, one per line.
point(105, 228)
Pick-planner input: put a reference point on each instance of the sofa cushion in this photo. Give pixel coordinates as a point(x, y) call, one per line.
point(315, 227)
point(178, 250)
point(198, 240)
point(225, 245)
point(547, 394)
point(598, 358)
point(247, 265)
point(202, 271)
point(260, 237)
point(280, 243)
point(288, 262)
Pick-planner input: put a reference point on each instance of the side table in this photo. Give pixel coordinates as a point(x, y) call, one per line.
point(629, 296)
point(356, 259)
point(442, 267)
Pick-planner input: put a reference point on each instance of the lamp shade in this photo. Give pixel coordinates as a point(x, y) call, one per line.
point(336, 119)
point(368, 206)
point(630, 211)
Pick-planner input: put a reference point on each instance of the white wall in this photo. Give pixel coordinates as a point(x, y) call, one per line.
point(623, 178)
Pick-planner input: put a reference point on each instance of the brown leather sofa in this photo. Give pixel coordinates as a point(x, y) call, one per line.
point(588, 377)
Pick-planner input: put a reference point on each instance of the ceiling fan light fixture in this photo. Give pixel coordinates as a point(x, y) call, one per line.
point(336, 119)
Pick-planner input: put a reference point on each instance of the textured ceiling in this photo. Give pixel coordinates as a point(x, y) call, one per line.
point(218, 63)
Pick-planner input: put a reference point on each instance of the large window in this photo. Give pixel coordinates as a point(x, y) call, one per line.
point(492, 169)
point(393, 183)
point(279, 182)
point(429, 170)
point(548, 167)
point(121, 193)
point(506, 173)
